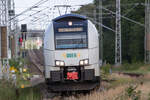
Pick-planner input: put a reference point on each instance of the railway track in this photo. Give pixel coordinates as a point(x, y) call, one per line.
point(47, 95)
point(36, 61)
point(136, 75)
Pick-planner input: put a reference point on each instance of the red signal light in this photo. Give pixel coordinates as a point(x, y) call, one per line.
point(20, 40)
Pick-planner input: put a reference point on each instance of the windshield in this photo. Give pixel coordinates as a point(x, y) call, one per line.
point(71, 40)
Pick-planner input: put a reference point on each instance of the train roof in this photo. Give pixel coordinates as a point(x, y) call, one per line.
point(77, 16)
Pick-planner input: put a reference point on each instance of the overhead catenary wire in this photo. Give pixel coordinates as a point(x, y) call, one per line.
point(114, 13)
point(33, 14)
point(30, 8)
point(101, 24)
point(123, 5)
point(130, 10)
point(123, 17)
point(43, 1)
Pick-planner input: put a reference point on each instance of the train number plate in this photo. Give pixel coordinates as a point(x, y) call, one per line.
point(72, 76)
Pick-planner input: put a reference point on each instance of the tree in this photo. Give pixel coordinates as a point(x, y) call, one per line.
point(132, 34)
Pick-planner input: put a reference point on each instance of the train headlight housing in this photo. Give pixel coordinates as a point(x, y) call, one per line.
point(59, 63)
point(84, 62)
point(81, 62)
point(62, 63)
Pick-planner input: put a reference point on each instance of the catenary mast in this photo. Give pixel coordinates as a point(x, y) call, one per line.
point(118, 56)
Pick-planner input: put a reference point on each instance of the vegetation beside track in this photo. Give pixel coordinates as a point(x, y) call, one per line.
point(16, 87)
point(122, 88)
point(9, 91)
point(114, 86)
point(138, 67)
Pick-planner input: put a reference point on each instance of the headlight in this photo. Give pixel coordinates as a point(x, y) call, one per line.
point(84, 62)
point(81, 62)
point(62, 63)
point(59, 63)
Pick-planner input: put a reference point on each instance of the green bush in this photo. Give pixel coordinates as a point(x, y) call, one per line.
point(17, 63)
point(106, 69)
point(14, 62)
point(132, 93)
point(130, 67)
point(149, 96)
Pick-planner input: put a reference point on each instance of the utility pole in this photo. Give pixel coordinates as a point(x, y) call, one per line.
point(11, 28)
point(3, 12)
point(94, 13)
point(101, 30)
point(6, 13)
point(4, 38)
point(147, 31)
point(3, 28)
point(98, 4)
point(118, 56)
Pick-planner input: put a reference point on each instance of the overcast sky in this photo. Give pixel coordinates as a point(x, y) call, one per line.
point(21, 5)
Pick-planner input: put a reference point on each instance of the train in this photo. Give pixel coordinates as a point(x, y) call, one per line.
point(71, 54)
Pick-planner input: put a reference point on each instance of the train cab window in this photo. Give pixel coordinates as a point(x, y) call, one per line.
point(71, 40)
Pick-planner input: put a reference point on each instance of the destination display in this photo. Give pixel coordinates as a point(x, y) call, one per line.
point(78, 29)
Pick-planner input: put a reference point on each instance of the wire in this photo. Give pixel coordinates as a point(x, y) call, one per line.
point(101, 24)
point(29, 9)
point(130, 10)
point(33, 14)
point(123, 17)
point(123, 5)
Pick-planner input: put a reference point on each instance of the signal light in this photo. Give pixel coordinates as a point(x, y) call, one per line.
point(20, 41)
point(23, 27)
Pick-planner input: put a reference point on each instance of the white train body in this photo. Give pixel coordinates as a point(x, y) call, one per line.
point(71, 50)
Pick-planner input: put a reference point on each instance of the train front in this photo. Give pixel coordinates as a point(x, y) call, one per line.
point(71, 50)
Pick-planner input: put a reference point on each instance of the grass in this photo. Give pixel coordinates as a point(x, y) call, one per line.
point(133, 68)
point(114, 90)
point(29, 94)
point(9, 92)
point(117, 89)
point(21, 81)
point(105, 95)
